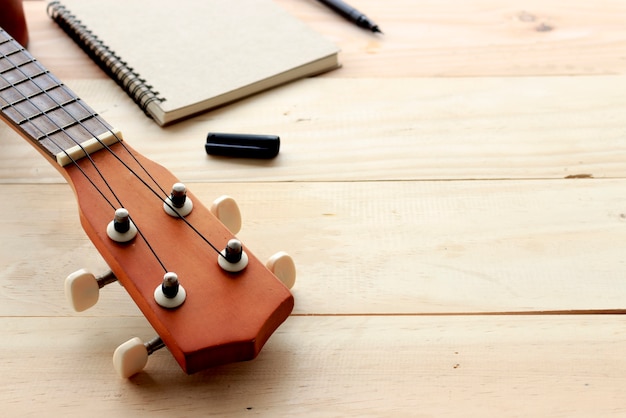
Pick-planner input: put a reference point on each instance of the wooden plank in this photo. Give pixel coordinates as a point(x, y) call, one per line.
point(438, 38)
point(329, 366)
point(368, 248)
point(400, 129)
point(477, 38)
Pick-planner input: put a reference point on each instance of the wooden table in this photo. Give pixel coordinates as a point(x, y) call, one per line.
point(454, 197)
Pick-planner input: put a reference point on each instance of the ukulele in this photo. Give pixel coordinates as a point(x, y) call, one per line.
point(209, 299)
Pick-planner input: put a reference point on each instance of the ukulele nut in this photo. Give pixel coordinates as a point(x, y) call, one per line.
point(177, 204)
point(170, 293)
point(121, 228)
point(233, 258)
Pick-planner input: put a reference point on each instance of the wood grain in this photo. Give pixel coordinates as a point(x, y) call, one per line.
point(466, 164)
point(329, 367)
point(390, 129)
point(372, 248)
point(435, 38)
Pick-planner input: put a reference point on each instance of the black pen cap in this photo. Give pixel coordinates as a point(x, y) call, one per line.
point(242, 145)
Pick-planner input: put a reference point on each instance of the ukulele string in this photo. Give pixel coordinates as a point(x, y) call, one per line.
point(97, 118)
point(46, 135)
point(61, 129)
point(166, 201)
point(164, 198)
point(58, 128)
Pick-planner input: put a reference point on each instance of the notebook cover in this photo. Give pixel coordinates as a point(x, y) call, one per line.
point(199, 54)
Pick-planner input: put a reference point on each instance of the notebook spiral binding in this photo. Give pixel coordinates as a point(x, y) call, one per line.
point(107, 60)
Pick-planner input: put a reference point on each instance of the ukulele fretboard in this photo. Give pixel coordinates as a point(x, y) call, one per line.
point(42, 108)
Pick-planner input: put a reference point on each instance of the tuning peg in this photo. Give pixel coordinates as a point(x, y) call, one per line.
point(170, 293)
point(233, 258)
point(131, 357)
point(225, 209)
point(121, 229)
point(283, 267)
point(177, 203)
point(82, 288)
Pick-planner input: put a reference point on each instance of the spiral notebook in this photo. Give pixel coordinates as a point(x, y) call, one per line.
point(177, 59)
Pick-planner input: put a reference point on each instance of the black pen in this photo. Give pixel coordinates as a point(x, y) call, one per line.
point(351, 14)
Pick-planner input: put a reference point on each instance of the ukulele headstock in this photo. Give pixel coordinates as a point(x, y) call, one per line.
point(229, 308)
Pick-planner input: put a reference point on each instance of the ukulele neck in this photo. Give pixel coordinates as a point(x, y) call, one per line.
point(44, 110)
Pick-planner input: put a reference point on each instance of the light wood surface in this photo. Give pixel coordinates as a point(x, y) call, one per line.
point(454, 198)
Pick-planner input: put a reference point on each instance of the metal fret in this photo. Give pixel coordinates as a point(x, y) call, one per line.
point(28, 98)
point(14, 57)
point(65, 128)
point(26, 79)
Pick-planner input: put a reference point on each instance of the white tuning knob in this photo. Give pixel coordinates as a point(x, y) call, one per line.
point(225, 209)
point(283, 267)
point(131, 357)
point(82, 288)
